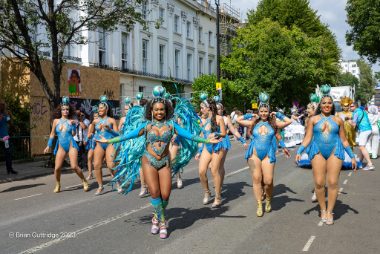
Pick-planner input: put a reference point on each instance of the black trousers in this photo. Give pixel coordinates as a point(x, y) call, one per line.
point(8, 158)
point(82, 158)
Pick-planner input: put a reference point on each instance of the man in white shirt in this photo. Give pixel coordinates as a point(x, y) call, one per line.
point(81, 129)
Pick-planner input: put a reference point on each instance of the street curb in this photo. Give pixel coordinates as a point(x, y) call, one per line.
point(49, 171)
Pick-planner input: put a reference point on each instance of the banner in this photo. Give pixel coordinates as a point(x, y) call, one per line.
point(74, 83)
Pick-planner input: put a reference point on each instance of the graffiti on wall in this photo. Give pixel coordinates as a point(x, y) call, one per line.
point(86, 106)
point(39, 109)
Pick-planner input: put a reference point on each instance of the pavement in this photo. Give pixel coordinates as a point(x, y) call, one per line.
point(33, 219)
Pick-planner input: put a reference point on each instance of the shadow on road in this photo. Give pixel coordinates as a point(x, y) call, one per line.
point(339, 210)
point(278, 202)
point(22, 187)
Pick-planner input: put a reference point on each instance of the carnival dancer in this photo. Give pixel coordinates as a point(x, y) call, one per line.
point(127, 105)
point(346, 116)
point(158, 129)
point(325, 134)
point(209, 155)
point(90, 145)
point(261, 154)
point(225, 145)
point(104, 126)
point(66, 145)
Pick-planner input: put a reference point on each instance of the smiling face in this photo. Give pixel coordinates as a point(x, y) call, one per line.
point(102, 110)
point(219, 109)
point(204, 109)
point(310, 110)
point(326, 105)
point(263, 113)
point(159, 111)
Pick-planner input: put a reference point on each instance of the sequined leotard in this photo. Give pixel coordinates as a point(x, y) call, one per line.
point(64, 132)
point(102, 131)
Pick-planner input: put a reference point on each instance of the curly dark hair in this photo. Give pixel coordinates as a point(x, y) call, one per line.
point(319, 110)
point(58, 111)
point(169, 111)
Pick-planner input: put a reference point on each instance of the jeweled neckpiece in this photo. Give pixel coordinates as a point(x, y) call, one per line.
point(159, 124)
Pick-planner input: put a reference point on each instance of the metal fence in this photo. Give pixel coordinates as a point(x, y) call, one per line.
point(20, 148)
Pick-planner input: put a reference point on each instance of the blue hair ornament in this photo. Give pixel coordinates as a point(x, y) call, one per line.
point(264, 99)
point(127, 100)
point(158, 92)
point(216, 98)
point(325, 90)
point(65, 100)
point(139, 96)
point(94, 109)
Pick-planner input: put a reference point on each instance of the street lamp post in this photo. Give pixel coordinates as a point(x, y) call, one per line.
point(217, 3)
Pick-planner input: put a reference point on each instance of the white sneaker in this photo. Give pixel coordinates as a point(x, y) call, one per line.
point(314, 197)
point(179, 181)
point(369, 168)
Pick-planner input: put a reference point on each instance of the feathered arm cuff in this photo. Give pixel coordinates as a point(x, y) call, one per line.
point(129, 135)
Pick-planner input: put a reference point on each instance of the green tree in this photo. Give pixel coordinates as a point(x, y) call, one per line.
point(282, 61)
point(364, 18)
point(367, 84)
point(64, 23)
point(347, 79)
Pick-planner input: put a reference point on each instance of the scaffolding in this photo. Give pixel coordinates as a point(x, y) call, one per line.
point(229, 23)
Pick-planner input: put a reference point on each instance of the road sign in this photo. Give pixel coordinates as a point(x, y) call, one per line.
point(218, 86)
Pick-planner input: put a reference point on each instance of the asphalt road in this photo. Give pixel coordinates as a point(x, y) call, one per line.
point(33, 219)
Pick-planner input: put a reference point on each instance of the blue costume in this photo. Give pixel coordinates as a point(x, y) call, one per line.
point(103, 131)
point(263, 141)
point(64, 132)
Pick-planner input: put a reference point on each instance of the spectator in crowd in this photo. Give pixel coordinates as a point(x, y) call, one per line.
point(373, 144)
point(81, 126)
point(4, 138)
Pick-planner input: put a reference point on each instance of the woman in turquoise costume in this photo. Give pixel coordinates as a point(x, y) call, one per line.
point(65, 130)
point(325, 135)
point(104, 126)
point(127, 106)
point(157, 130)
point(261, 154)
point(90, 145)
point(209, 155)
point(225, 145)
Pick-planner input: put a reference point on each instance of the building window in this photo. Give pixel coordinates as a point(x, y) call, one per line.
point(145, 55)
point(200, 31)
point(354, 65)
point(188, 30)
point(141, 89)
point(177, 57)
point(124, 51)
point(176, 24)
point(189, 66)
point(162, 15)
point(200, 66)
point(144, 9)
point(210, 44)
point(162, 59)
point(102, 46)
point(210, 66)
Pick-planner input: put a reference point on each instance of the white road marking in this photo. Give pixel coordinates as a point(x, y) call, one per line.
point(83, 230)
point(349, 174)
point(98, 224)
point(345, 181)
point(308, 244)
point(320, 224)
point(29, 196)
point(72, 186)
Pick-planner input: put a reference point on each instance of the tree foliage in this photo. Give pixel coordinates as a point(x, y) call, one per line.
point(364, 18)
point(347, 79)
point(367, 85)
point(25, 25)
point(285, 62)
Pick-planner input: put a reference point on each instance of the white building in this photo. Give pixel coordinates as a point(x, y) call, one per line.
point(179, 44)
point(350, 66)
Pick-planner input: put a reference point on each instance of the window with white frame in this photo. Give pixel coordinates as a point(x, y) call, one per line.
point(162, 59)
point(200, 66)
point(210, 62)
point(210, 41)
point(162, 16)
point(200, 33)
point(145, 55)
point(189, 66)
point(124, 51)
point(144, 9)
point(176, 24)
point(188, 30)
point(102, 46)
point(177, 59)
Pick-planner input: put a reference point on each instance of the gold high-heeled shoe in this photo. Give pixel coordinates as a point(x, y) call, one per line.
point(259, 211)
point(57, 187)
point(268, 207)
point(85, 185)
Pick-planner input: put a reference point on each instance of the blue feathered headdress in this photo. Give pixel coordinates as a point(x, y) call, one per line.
point(103, 100)
point(94, 109)
point(65, 100)
point(203, 97)
point(139, 96)
point(325, 90)
point(127, 100)
point(264, 100)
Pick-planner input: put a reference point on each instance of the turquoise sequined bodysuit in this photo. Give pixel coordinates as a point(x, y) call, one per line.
point(158, 143)
point(102, 131)
point(263, 141)
point(64, 132)
point(326, 138)
point(206, 133)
